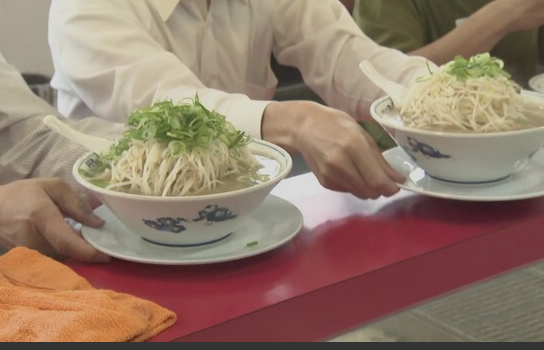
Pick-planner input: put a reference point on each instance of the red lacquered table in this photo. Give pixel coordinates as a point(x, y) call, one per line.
point(353, 262)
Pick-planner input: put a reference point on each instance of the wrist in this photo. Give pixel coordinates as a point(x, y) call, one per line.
point(282, 122)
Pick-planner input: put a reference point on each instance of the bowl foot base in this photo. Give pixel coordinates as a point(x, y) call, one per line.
point(188, 245)
point(469, 183)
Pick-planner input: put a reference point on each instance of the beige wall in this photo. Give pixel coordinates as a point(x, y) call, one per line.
point(23, 35)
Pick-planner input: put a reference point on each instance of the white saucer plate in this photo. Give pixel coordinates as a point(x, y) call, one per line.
point(537, 83)
point(274, 223)
point(528, 182)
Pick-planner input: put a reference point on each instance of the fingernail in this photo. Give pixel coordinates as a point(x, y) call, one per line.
point(76, 226)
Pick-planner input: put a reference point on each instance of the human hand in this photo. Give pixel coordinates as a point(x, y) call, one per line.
point(32, 214)
point(336, 148)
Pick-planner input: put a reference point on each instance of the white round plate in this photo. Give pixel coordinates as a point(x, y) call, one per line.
point(274, 223)
point(537, 83)
point(526, 183)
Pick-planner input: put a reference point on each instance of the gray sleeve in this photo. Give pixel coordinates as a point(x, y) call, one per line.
point(28, 148)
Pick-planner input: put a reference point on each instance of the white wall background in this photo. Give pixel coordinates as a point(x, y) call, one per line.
point(23, 35)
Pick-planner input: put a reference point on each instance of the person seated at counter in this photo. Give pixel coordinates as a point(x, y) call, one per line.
point(512, 30)
point(37, 190)
point(112, 57)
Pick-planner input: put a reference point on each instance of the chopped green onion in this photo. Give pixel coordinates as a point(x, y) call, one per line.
point(252, 244)
point(183, 126)
point(479, 66)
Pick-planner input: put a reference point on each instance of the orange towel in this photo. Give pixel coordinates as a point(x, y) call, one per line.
point(42, 300)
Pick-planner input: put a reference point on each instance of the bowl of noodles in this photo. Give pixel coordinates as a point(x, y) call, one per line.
point(468, 122)
point(182, 175)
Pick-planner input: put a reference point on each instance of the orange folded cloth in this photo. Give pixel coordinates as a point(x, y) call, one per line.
point(43, 300)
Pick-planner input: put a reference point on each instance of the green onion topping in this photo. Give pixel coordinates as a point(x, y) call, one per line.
point(183, 126)
point(478, 66)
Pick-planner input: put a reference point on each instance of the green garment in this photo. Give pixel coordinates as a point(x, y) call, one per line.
point(410, 24)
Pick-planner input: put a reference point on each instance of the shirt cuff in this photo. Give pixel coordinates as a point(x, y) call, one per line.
point(247, 116)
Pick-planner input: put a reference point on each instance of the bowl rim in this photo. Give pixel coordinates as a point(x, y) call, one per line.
point(385, 123)
point(533, 83)
point(281, 152)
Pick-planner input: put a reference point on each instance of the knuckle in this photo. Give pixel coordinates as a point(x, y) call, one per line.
point(60, 243)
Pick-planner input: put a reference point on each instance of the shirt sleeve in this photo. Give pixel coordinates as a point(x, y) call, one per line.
point(327, 47)
point(392, 23)
point(113, 73)
point(131, 68)
point(28, 148)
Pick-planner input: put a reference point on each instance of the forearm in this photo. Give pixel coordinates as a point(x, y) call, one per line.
point(478, 33)
point(28, 147)
point(31, 150)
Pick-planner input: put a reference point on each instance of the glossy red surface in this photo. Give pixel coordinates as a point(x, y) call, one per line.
point(353, 262)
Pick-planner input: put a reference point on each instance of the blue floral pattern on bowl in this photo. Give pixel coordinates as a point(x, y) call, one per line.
point(211, 214)
point(423, 148)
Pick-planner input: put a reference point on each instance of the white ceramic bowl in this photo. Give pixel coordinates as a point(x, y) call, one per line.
point(537, 83)
point(463, 158)
point(190, 221)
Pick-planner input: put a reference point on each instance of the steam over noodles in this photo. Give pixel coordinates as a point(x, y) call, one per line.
point(176, 150)
point(475, 95)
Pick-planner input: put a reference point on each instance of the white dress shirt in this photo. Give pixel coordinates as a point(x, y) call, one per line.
point(28, 148)
point(113, 56)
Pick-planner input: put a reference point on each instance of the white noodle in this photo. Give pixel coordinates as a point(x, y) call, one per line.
point(149, 168)
point(444, 103)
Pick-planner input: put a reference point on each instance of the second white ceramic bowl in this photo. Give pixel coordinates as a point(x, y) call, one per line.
point(463, 158)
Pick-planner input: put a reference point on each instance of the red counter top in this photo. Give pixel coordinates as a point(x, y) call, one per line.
point(353, 262)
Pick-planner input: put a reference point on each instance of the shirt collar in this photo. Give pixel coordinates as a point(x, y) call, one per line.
point(165, 7)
